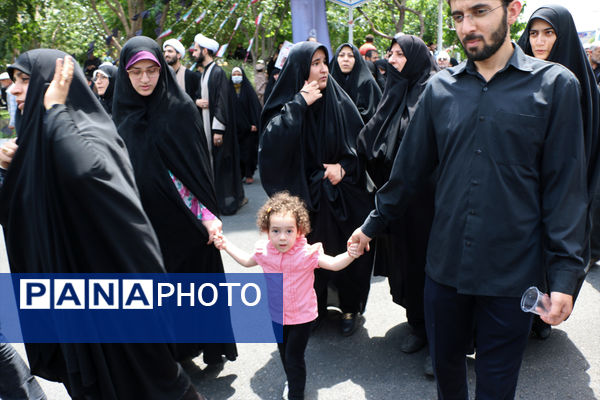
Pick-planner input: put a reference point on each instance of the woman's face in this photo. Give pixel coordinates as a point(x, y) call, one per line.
point(102, 82)
point(397, 58)
point(144, 76)
point(541, 37)
point(19, 90)
point(318, 69)
point(346, 60)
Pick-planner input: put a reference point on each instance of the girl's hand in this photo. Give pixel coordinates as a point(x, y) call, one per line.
point(7, 152)
point(334, 172)
point(353, 250)
point(311, 92)
point(59, 87)
point(214, 227)
point(220, 241)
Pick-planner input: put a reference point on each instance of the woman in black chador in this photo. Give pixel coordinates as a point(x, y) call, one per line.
point(350, 71)
point(104, 79)
point(551, 35)
point(400, 253)
point(69, 203)
point(308, 147)
point(247, 118)
point(163, 132)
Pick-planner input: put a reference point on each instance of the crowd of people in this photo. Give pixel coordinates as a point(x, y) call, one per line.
point(463, 184)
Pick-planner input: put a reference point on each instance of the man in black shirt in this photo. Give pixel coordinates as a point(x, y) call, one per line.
point(506, 145)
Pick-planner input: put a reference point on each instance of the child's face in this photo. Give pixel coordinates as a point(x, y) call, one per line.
point(283, 231)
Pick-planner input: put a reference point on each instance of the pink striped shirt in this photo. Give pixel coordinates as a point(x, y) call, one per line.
point(297, 266)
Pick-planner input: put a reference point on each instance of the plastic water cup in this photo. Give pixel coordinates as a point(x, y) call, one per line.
point(536, 302)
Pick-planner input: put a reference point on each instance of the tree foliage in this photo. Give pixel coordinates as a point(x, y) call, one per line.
point(72, 25)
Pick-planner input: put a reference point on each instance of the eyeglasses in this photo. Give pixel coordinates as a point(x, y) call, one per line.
point(477, 14)
point(137, 73)
point(99, 77)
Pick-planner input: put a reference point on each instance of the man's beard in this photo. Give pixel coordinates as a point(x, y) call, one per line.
point(200, 59)
point(498, 38)
point(171, 61)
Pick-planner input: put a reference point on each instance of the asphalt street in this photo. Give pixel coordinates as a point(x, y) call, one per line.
point(369, 364)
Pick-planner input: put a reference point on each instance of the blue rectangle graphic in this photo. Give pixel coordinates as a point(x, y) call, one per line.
point(140, 308)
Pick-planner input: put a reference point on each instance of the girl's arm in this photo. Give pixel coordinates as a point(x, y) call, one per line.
point(340, 261)
point(243, 258)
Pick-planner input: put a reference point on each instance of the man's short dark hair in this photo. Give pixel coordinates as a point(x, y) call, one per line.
point(369, 53)
point(369, 38)
point(210, 52)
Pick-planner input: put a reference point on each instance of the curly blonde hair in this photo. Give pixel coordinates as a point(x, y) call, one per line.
point(283, 203)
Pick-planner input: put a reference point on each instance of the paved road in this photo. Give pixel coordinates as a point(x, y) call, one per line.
point(369, 364)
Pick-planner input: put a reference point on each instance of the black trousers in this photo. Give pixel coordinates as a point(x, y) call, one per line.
point(500, 330)
point(16, 382)
point(291, 350)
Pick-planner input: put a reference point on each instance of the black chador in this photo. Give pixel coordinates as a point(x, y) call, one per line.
point(568, 51)
point(296, 141)
point(358, 83)
point(247, 113)
point(226, 158)
point(165, 140)
point(70, 204)
point(401, 250)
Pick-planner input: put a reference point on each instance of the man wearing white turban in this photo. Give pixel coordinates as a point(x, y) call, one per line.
point(216, 105)
point(189, 80)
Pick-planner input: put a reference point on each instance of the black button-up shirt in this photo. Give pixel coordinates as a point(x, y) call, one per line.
point(511, 197)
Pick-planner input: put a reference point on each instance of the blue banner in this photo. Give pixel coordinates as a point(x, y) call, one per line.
point(141, 308)
point(309, 18)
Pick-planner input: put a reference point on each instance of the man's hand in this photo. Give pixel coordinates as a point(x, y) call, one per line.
point(214, 227)
point(362, 240)
point(217, 139)
point(202, 103)
point(7, 152)
point(253, 128)
point(562, 305)
point(59, 87)
point(311, 92)
point(333, 172)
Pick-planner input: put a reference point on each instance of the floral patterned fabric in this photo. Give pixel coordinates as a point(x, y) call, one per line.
point(191, 201)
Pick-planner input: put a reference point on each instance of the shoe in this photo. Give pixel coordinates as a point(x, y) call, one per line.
point(428, 366)
point(249, 181)
point(348, 324)
point(243, 202)
point(286, 390)
point(412, 343)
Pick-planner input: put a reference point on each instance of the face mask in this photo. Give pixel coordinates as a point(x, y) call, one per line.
point(237, 79)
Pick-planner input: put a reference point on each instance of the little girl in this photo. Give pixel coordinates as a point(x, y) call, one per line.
point(285, 220)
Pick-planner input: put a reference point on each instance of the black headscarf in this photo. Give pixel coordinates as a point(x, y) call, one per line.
point(568, 51)
point(107, 98)
point(247, 113)
point(69, 203)
point(358, 83)
point(379, 140)
point(271, 83)
point(381, 64)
